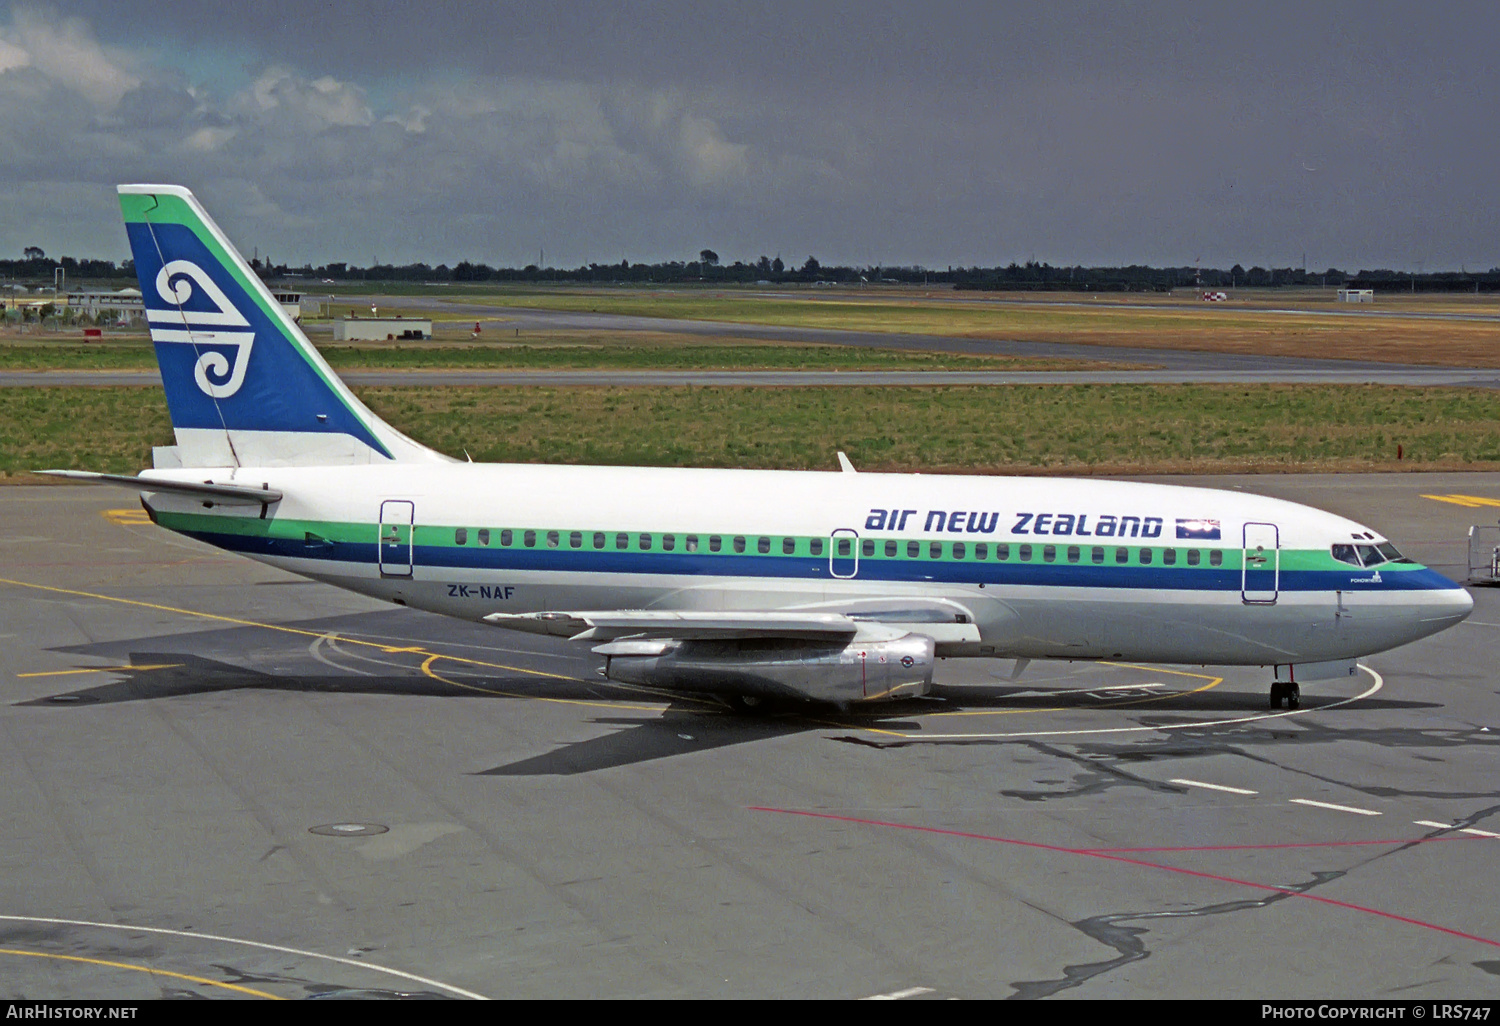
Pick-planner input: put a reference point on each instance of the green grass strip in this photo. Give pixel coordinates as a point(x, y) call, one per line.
point(1080, 429)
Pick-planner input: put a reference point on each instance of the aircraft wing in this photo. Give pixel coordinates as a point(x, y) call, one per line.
point(684, 625)
point(221, 494)
point(942, 621)
point(818, 653)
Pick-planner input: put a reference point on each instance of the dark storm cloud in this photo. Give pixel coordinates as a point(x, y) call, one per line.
point(1358, 135)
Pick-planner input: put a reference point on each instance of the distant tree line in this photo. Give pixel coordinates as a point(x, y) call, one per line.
point(1037, 277)
point(37, 268)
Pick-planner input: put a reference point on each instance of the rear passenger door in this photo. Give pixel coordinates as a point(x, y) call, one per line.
point(396, 519)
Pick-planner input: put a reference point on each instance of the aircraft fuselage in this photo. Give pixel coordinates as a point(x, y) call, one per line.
point(1039, 567)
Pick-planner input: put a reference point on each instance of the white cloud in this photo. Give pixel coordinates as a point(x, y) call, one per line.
point(414, 120)
point(280, 95)
point(208, 140)
point(709, 159)
point(65, 51)
point(12, 56)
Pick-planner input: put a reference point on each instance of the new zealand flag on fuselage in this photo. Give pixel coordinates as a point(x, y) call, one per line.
point(1198, 530)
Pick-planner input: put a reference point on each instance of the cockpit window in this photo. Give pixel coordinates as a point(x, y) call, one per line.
point(1345, 554)
point(1390, 552)
point(1370, 555)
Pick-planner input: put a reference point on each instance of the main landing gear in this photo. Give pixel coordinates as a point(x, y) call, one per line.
point(1288, 690)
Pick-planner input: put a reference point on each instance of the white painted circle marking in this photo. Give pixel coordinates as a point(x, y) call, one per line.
point(1379, 682)
point(413, 977)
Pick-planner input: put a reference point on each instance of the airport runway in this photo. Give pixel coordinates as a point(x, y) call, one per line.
point(223, 781)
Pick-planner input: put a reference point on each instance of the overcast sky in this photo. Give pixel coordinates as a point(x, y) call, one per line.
point(1360, 135)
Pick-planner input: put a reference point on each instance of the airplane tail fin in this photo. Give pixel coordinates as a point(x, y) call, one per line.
point(244, 385)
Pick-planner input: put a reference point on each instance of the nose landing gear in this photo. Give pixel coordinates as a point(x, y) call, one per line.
point(1288, 691)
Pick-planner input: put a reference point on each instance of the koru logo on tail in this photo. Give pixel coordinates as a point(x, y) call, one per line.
point(210, 332)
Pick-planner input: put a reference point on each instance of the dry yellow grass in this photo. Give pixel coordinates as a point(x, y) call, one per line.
point(1444, 331)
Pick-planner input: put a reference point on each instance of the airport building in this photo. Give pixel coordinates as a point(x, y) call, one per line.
point(378, 329)
point(124, 305)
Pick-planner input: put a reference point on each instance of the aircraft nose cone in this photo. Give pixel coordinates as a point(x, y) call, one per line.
point(1447, 607)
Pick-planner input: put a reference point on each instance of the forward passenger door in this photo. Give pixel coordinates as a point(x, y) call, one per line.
point(843, 553)
point(1260, 569)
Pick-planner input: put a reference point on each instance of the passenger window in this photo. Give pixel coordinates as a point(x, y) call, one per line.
point(507, 536)
point(763, 545)
point(935, 550)
point(552, 539)
point(1122, 555)
point(529, 539)
point(815, 546)
point(867, 547)
point(668, 542)
point(1024, 551)
point(1215, 557)
point(1002, 551)
point(739, 543)
point(1193, 556)
point(1169, 557)
point(958, 550)
point(715, 543)
point(1145, 556)
point(575, 540)
point(844, 548)
point(981, 550)
point(1098, 554)
point(1049, 553)
point(645, 542)
point(788, 546)
point(690, 543)
point(622, 541)
point(890, 548)
point(461, 536)
point(913, 549)
point(599, 539)
point(1073, 553)
point(484, 536)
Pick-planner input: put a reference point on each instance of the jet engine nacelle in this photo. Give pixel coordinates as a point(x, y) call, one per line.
point(833, 671)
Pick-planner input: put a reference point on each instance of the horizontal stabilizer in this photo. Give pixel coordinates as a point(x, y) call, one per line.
point(223, 494)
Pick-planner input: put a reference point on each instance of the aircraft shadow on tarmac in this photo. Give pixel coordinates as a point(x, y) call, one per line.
point(686, 725)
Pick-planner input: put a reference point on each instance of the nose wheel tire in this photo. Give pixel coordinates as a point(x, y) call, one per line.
point(1285, 691)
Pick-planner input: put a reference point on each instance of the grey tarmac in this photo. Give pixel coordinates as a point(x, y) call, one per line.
point(224, 781)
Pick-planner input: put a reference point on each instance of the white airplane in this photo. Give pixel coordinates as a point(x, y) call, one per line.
point(749, 584)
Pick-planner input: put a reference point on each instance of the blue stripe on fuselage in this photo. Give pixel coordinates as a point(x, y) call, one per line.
point(707, 564)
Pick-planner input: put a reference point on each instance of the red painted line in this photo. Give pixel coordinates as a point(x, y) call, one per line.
point(1106, 854)
point(1273, 847)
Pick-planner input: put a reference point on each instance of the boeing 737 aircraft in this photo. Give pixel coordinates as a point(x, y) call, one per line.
point(749, 584)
